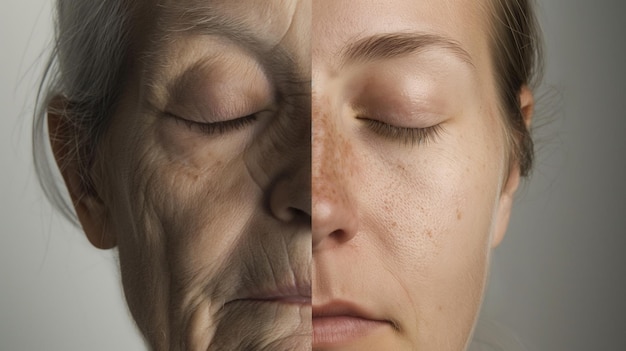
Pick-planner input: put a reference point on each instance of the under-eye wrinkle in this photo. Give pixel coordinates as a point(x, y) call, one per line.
point(215, 128)
point(406, 135)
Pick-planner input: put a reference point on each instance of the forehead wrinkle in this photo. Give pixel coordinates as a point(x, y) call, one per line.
point(400, 44)
point(203, 20)
point(208, 18)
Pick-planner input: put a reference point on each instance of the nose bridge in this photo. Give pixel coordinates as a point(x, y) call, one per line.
point(284, 146)
point(327, 159)
point(334, 214)
point(279, 162)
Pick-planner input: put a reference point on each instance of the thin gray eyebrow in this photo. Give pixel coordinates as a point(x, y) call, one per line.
point(395, 45)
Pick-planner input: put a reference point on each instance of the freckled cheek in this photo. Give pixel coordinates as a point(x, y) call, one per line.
point(409, 210)
point(430, 201)
point(460, 193)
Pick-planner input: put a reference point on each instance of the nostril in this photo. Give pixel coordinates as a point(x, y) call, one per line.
point(291, 214)
point(299, 215)
point(289, 202)
point(339, 236)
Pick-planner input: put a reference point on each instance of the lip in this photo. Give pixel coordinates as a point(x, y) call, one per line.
point(340, 322)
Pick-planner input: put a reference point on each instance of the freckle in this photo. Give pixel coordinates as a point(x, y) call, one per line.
point(459, 215)
point(429, 233)
point(439, 308)
point(394, 224)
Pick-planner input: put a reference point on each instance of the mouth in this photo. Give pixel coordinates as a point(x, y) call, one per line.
point(340, 322)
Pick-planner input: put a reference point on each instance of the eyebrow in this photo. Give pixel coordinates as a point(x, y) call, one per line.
point(396, 45)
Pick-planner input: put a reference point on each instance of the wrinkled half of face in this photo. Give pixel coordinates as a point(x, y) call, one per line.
point(202, 176)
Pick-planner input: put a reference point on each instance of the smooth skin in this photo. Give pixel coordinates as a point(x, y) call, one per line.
point(412, 179)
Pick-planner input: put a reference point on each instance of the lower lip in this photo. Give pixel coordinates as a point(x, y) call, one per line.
point(334, 330)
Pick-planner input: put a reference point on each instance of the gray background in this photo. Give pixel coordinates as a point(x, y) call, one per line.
point(558, 280)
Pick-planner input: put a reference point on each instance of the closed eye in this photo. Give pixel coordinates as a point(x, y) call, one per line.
point(215, 128)
point(405, 135)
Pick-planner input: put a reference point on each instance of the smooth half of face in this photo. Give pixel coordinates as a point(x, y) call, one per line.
point(411, 184)
point(204, 177)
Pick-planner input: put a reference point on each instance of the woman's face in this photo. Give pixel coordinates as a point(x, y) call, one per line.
point(209, 183)
point(207, 176)
point(410, 178)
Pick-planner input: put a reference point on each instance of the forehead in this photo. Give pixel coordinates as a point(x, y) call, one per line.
point(274, 33)
point(270, 21)
point(341, 22)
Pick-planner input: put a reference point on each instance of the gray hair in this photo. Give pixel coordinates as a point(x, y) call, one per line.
point(87, 69)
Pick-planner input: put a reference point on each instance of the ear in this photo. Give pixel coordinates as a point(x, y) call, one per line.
point(89, 207)
point(527, 106)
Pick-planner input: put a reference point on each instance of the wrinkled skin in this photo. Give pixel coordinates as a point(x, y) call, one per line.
point(211, 225)
point(403, 228)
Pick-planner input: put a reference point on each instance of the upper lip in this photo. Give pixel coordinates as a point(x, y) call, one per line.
point(262, 270)
point(337, 308)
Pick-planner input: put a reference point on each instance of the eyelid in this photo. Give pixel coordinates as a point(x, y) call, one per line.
point(212, 128)
point(405, 135)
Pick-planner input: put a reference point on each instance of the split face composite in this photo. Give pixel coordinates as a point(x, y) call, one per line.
point(330, 174)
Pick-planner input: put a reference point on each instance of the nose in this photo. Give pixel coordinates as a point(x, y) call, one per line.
point(290, 195)
point(280, 164)
point(334, 216)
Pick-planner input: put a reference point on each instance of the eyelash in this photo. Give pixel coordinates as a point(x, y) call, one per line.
point(408, 136)
point(219, 128)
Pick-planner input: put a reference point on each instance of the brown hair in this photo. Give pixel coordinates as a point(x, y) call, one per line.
point(517, 55)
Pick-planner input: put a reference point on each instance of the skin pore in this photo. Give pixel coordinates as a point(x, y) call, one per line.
point(412, 185)
point(203, 177)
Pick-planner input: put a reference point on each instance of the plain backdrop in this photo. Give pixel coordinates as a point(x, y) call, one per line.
point(558, 280)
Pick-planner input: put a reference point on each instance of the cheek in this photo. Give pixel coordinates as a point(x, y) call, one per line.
point(429, 213)
point(178, 207)
point(176, 185)
point(431, 210)
point(442, 194)
point(192, 237)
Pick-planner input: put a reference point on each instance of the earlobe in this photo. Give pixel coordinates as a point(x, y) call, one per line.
point(90, 209)
point(505, 206)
